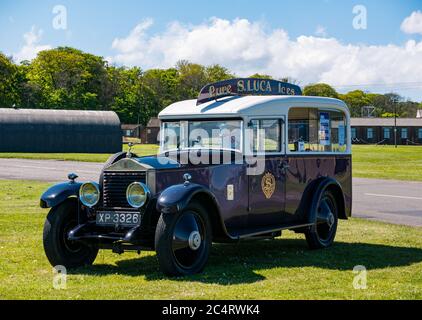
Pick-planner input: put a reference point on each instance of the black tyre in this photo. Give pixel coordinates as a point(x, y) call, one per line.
point(183, 241)
point(322, 234)
point(58, 249)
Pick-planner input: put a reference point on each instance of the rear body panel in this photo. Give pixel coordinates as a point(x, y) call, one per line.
point(305, 169)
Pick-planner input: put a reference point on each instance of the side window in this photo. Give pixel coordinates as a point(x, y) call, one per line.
point(420, 133)
point(171, 135)
point(404, 133)
point(266, 135)
point(354, 133)
point(316, 130)
point(370, 133)
point(386, 133)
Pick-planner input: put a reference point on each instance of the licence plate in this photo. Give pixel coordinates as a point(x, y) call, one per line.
point(110, 218)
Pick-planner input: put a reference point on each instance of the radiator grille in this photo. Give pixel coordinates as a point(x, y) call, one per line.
point(115, 185)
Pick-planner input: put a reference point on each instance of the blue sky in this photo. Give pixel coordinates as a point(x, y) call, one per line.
point(104, 28)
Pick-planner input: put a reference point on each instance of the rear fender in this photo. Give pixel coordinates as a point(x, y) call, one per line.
point(318, 190)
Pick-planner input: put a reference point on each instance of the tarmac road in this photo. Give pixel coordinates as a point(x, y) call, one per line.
point(393, 201)
point(398, 202)
point(48, 170)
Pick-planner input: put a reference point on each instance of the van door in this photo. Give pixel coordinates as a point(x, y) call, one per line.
point(267, 177)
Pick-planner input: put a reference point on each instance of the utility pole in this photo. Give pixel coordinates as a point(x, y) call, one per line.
point(395, 122)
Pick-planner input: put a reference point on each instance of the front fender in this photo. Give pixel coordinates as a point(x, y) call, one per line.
point(59, 193)
point(176, 198)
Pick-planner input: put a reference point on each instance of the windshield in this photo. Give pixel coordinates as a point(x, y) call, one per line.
point(204, 134)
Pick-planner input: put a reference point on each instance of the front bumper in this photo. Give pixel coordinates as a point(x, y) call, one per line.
point(110, 236)
point(90, 231)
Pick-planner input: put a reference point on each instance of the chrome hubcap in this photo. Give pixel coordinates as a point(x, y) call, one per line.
point(330, 220)
point(194, 240)
point(189, 238)
point(326, 219)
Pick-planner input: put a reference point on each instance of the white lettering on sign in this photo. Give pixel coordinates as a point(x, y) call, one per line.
point(262, 86)
point(283, 90)
point(240, 86)
point(219, 91)
point(254, 86)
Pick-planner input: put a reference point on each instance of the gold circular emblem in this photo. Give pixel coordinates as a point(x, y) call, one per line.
point(268, 185)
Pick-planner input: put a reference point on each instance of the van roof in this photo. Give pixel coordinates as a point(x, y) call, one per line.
point(246, 106)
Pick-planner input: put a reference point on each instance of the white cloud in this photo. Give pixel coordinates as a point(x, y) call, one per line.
point(321, 31)
point(413, 23)
point(248, 47)
point(31, 47)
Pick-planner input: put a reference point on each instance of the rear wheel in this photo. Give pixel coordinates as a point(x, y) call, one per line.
point(183, 241)
point(58, 249)
point(322, 234)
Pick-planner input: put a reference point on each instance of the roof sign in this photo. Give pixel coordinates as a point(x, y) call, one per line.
point(247, 86)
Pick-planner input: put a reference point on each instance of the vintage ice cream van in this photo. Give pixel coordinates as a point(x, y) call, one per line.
point(246, 160)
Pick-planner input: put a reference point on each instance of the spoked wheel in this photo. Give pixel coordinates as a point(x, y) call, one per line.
point(183, 241)
point(322, 234)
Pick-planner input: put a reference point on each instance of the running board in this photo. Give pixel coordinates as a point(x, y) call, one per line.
point(280, 228)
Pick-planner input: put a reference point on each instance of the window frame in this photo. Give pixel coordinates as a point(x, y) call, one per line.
point(189, 124)
point(322, 108)
point(353, 133)
point(184, 127)
point(402, 130)
point(282, 142)
point(384, 130)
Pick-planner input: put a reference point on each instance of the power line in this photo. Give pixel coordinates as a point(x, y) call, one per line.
point(415, 84)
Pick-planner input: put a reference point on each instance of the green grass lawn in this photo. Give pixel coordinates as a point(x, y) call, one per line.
point(280, 269)
point(387, 162)
point(141, 150)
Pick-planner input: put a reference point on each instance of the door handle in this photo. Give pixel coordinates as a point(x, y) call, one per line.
point(284, 165)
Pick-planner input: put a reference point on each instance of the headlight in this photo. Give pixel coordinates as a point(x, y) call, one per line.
point(89, 194)
point(137, 194)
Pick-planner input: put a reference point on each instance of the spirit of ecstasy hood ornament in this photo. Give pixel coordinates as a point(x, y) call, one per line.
point(129, 153)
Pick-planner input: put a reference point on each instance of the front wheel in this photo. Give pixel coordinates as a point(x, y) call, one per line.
point(183, 241)
point(58, 249)
point(322, 234)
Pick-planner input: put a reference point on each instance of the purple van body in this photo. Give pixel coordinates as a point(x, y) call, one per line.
point(250, 211)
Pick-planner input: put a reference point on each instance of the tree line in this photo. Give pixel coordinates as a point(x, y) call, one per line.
point(67, 78)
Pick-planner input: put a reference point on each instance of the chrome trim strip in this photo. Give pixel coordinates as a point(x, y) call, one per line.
point(151, 181)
